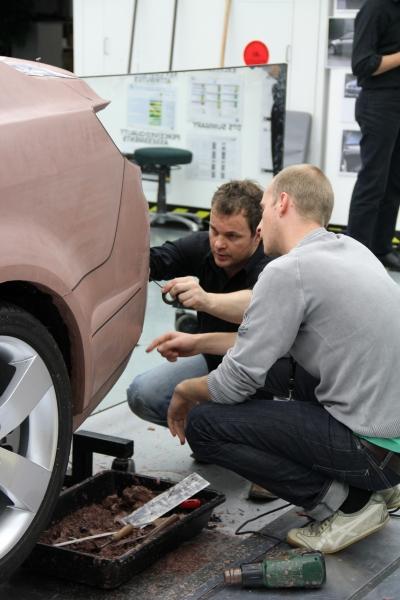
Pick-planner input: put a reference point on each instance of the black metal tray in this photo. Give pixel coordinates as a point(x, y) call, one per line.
point(110, 573)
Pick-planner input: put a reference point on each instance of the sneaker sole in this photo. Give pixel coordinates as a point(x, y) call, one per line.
point(294, 542)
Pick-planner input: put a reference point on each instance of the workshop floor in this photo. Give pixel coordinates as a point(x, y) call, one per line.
point(195, 571)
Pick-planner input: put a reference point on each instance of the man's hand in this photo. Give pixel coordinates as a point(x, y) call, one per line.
point(178, 411)
point(189, 293)
point(228, 307)
point(187, 394)
point(173, 344)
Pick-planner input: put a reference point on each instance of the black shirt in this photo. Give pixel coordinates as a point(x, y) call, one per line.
point(376, 33)
point(191, 255)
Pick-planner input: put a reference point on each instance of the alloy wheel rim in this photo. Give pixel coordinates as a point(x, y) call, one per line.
point(28, 440)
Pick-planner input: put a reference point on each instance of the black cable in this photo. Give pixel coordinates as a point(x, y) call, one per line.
point(393, 513)
point(266, 535)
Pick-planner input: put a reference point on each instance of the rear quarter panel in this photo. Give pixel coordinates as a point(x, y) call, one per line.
point(73, 221)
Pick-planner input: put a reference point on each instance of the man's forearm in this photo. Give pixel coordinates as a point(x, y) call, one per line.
point(214, 343)
point(195, 390)
point(388, 62)
point(229, 307)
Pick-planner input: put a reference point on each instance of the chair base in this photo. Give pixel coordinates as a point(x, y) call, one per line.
point(160, 218)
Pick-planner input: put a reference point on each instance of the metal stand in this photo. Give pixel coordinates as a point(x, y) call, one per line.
point(162, 215)
point(85, 443)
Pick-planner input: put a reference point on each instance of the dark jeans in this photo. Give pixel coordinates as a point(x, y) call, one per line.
point(295, 449)
point(376, 195)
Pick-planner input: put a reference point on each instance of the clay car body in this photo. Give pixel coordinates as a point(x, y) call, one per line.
point(74, 244)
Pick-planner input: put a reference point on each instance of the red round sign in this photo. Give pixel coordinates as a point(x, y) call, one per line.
point(256, 53)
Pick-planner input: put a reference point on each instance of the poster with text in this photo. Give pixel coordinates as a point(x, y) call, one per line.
point(214, 157)
point(151, 109)
point(215, 100)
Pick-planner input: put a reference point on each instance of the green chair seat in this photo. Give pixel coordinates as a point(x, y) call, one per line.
point(162, 156)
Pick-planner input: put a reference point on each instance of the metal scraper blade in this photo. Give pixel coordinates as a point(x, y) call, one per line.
point(166, 501)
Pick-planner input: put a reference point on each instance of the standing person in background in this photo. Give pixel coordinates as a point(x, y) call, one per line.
point(278, 117)
point(376, 63)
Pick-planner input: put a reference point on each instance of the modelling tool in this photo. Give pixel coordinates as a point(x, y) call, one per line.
point(149, 512)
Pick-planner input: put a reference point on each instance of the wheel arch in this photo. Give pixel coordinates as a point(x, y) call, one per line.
point(54, 313)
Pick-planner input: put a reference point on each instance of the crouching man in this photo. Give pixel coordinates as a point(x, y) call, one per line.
point(327, 301)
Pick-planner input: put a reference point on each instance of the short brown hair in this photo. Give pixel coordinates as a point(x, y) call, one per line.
point(236, 196)
point(311, 191)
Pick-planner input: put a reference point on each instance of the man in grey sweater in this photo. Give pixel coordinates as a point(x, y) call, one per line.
point(328, 302)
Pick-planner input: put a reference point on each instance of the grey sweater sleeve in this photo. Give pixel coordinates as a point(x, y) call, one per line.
point(269, 328)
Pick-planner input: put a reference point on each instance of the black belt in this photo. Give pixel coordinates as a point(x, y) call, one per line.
point(385, 457)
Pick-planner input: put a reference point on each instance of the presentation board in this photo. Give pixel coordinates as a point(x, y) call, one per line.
point(223, 116)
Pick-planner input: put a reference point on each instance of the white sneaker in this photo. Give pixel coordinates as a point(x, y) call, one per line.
point(341, 530)
point(392, 497)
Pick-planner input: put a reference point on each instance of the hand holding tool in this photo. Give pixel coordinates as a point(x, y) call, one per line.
point(167, 298)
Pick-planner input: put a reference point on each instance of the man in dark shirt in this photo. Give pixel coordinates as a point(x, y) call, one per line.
point(227, 261)
point(376, 63)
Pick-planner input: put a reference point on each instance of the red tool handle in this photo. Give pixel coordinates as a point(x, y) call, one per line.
point(190, 504)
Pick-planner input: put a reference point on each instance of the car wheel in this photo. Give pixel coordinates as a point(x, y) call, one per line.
point(186, 322)
point(35, 434)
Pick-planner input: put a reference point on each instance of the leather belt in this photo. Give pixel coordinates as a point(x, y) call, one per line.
point(388, 458)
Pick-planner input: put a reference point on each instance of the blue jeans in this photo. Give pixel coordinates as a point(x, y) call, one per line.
point(295, 449)
point(150, 393)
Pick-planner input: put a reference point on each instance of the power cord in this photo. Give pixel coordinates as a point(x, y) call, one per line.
point(265, 535)
point(393, 513)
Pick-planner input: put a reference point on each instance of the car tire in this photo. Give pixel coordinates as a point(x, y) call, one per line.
point(35, 435)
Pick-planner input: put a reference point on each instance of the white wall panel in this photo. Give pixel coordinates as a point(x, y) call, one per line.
point(269, 21)
point(102, 36)
point(307, 74)
point(343, 183)
point(152, 41)
point(199, 31)
point(117, 16)
point(88, 36)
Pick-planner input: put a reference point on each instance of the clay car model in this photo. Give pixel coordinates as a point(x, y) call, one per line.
point(74, 244)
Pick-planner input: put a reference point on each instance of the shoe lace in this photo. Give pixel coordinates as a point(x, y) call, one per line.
point(318, 527)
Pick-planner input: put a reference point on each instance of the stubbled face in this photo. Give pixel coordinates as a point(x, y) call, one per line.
point(269, 224)
point(231, 241)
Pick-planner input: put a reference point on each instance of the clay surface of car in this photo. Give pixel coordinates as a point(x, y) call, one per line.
point(74, 243)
